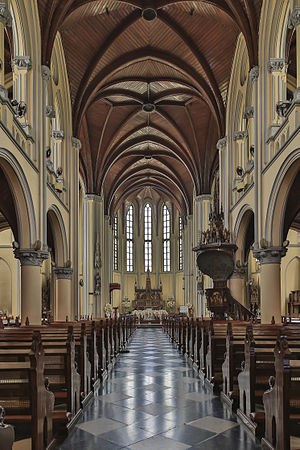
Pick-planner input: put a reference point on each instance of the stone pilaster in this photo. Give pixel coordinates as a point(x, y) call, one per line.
point(270, 259)
point(31, 284)
point(63, 307)
point(294, 22)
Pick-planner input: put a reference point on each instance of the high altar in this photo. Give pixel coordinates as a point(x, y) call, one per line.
point(148, 298)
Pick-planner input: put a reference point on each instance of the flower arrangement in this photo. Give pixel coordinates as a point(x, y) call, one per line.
point(108, 309)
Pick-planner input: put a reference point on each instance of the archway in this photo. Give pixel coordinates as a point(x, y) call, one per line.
point(17, 230)
point(282, 212)
point(56, 241)
point(243, 281)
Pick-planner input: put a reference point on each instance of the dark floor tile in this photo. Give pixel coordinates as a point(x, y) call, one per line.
point(127, 435)
point(188, 435)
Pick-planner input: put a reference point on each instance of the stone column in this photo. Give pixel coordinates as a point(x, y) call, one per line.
point(63, 298)
point(294, 22)
point(5, 20)
point(270, 282)
point(202, 205)
point(237, 284)
point(31, 284)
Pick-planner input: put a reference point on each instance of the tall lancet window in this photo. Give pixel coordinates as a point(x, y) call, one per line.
point(129, 239)
point(180, 246)
point(116, 243)
point(166, 239)
point(148, 237)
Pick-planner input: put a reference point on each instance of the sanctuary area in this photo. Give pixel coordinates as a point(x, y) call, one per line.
point(149, 224)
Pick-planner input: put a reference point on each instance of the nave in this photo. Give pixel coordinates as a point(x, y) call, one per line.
point(154, 400)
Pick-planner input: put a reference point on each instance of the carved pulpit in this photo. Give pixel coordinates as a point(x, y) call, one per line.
point(148, 298)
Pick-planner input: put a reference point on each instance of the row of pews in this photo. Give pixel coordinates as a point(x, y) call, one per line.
point(254, 367)
point(48, 374)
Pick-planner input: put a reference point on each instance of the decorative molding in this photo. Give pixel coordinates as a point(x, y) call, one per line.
point(63, 273)
point(276, 64)
point(76, 143)
point(239, 270)
point(5, 16)
point(93, 197)
point(50, 111)
point(203, 197)
point(46, 73)
point(58, 135)
point(21, 63)
point(270, 255)
point(294, 19)
point(238, 135)
point(254, 73)
point(249, 112)
point(296, 98)
point(29, 257)
point(3, 93)
point(222, 143)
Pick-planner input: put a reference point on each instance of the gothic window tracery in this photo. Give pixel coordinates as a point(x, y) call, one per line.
point(129, 239)
point(148, 237)
point(166, 235)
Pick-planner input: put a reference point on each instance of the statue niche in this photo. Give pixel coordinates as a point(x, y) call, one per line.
point(148, 298)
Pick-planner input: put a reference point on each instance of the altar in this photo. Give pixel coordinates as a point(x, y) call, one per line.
point(148, 298)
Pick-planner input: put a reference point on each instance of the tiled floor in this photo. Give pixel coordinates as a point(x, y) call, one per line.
point(154, 400)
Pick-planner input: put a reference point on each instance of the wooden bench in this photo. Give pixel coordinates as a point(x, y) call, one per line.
point(231, 366)
point(282, 400)
point(60, 368)
point(257, 369)
point(23, 392)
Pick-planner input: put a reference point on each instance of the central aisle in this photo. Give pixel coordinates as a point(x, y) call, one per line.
point(153, 400)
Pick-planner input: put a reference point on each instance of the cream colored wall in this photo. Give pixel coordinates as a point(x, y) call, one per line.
point(9, 275)
point(290, 269)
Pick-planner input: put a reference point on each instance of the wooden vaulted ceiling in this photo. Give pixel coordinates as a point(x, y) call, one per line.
point(179, 63)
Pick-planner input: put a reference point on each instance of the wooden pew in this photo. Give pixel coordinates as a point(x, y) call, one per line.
point(216, 351)
point(86, 353)
point(258, 366)
point(215, 354)
point(7, 432)
point(257, 369)
point(60, 368)
point(231, 367)
point(23, 393)
point(282, 400)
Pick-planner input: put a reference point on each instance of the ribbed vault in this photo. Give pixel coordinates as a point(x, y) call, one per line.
point(149, 96)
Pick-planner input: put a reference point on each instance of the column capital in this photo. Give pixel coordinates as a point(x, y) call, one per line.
point(50, 111)
point(239, 135)
point(249, 112)
point(294, 19)
point(76, 143)
point(222, 143)
point(64, 273)
point(276, 64)
point(254, 73)
point(203, 197)
point(46, 73)
point(270, 255)
point(29, 257)
point(239, 270)
point(93, 197)
point(3, 94)
point(296, 98)
point(58, 135)
point(5, 16)
point(21, 63)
